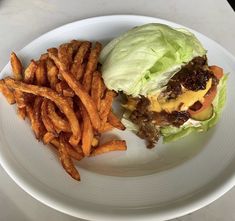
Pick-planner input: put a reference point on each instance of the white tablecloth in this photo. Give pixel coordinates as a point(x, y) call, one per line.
point(23, 20)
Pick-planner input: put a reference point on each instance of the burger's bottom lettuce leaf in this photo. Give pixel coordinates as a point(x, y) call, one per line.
point(171, 133)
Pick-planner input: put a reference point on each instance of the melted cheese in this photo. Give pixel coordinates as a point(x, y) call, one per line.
point(182, 102)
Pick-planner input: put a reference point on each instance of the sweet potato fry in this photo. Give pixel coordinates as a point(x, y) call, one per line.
point(114, 121)
point(48, 137)
point(80, 92)
point(37, 125)
point(106, 105)
point(113, 145)
point(91, 66)
point(52, 73)
point(66, 161)
point(29, 73)
point(20, 101)
point(63, 88)
point(60, 101)
point(96, 89)
point(41, 76)
point(75, 44)
point(78, 59)
point(44, 57)
point(21, 112)
point(8, 94)
point(65, 55)
point(59, 123)
point(16, 67)
point(87, 132)
point(106, 127)
point(72, 153)
point(46, 119)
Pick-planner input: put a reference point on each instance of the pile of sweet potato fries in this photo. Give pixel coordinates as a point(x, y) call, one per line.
point(65, 99)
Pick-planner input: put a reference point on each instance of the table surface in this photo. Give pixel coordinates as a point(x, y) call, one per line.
point(22, 21)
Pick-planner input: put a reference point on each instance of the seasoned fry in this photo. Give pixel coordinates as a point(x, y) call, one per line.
point(41, 76)
point(75, 44)
point(16, 66)
point(48, 137)
point(106, 127)
point(66, 161)
point(29, 73)
point(113, 145)
point(37, 124)
point(80, 92)
point(44, 57)
point(59, 123)
point(87, 132)
point(74, 154)
point(65, 55)
point(106, 105)
point(52, 73)
point(19, 98)
point(80, 71)
point(114, 121)
point(60, 101)
point(96, 89)
point(58, 93)
point(45, 117)
point(78, 59)
point(91, 66)
point(8, 94)
point(21, 113)
point(20, 101)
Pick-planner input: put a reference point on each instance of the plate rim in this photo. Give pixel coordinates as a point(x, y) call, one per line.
point(202, 201)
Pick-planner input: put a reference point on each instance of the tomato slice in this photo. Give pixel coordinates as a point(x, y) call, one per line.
point(209, 97)
point(217, 71)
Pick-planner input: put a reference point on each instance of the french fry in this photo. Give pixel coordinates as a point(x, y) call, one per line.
point(63, 88)
point(78, 59)
point(87, 132)
point(60, 101)
point(29, 73)
point(80, 71)
point(96, 89)
point(65, 55)
point(66, 161)
point(72, 153)
point(59, 123)
point(75, 44)
point(44, 57)
point(41, 76)
point(91, 66)
point(52, 73)
point(106, 105)
point(48, 137)
point(106, 127)
point(16, 67)
point(46, 119)
point(8, 94)
point(115, 122)
point(113, 145)
point(21, 112)
point(79, 91)
point(37, 124)
point(19, 98)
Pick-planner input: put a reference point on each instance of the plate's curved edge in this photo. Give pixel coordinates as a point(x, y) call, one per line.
point(202, 201)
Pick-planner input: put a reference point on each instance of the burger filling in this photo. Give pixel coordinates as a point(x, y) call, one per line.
point(185, 91)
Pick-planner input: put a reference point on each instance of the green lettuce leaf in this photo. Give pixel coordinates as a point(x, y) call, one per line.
point(171, 133)
point(143, 59)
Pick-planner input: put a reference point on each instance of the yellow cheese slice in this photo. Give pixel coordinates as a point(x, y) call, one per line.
point(182, 102)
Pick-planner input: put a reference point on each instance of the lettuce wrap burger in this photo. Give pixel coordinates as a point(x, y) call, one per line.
point(169, 89)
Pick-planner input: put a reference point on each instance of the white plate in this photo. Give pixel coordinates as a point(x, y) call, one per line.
point(140, 184)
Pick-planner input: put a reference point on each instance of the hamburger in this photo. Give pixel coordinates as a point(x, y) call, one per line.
point(169, 88)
